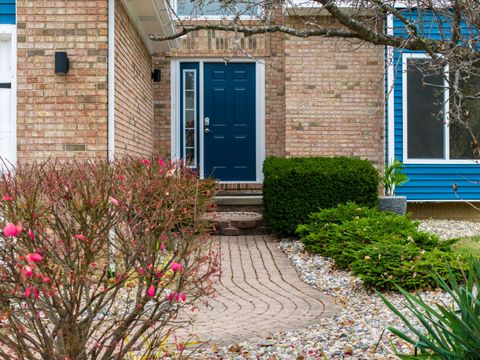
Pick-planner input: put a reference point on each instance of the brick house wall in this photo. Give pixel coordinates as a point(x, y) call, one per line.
point(217, 44)
point(323, 97)
point(334, 98)
point(135, 131)
point(61, 116)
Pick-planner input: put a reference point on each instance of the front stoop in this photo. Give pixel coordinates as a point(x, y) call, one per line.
point(244, 201)
point(239, 203)
point(234, 223)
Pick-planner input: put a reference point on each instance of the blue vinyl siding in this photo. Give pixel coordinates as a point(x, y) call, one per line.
point(429, 182)
point(7, 11)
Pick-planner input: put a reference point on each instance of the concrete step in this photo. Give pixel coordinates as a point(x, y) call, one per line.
point(236, 222)
point(239, 200)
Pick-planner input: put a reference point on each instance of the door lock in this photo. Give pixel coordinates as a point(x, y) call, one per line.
point(206, 121)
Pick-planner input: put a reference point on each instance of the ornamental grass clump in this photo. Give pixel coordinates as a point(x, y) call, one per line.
point(443, 331)
point(98, 259)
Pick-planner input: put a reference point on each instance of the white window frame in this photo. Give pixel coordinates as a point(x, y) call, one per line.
point(195, 112)
point(212, 17)
point(10, 32)
point(446, 120)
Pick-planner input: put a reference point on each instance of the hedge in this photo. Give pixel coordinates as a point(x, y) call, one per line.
point(295, 187)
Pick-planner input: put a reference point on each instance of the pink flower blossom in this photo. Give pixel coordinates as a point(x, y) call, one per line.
point(183, 297)
point(162, 163)
point(145, 162)
point(175, 294)
point(140, 271)
point(114, 201)
point(11, 230)
point(164, 247)
point(31, 234)
point(7, 198)
point(34, 258)
point(80, 237)
point(176, 267)
point(151, 291)
point(46, 280)
point(19, 227)
point(27, 272)
point(29, 290)
point(36, 292)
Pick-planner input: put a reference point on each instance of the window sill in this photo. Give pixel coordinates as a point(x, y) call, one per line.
point(440, 162)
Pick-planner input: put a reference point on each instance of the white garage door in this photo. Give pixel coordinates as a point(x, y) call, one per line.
point(6, 126)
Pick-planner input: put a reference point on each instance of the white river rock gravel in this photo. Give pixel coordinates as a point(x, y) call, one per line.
point(357, 329)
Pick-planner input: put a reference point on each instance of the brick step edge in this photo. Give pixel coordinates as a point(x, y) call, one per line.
point(248, 220)
point(233, 231)
point(241, 224)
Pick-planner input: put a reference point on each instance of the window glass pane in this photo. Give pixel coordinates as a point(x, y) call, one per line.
point(424, 114)
point(189, 119)
point(460, 135)
point(215, 7)
point(190, 138)
point(189, 99)
point(190, 157)
point(189, 80)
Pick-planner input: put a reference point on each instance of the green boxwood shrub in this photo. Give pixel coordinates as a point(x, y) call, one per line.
point(383, 249)
point(293, 188)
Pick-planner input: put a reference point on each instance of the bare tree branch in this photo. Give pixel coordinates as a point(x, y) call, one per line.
point(353, 28)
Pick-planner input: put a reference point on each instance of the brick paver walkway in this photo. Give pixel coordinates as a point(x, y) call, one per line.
point(259, 294)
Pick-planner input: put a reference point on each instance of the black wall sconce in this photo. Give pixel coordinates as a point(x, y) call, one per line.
point(61, 62)
point(157, 75)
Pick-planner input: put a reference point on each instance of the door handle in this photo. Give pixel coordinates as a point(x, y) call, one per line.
point(207, 130)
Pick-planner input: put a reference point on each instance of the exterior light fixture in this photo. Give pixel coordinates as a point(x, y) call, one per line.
point(61, 62)
point(156, 75)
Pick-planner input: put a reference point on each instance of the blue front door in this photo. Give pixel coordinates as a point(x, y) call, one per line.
point(229, 121)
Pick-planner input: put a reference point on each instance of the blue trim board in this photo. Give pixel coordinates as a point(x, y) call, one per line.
point(7, 12)
point(429, 182)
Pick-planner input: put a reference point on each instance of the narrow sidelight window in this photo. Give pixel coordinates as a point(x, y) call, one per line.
point(189, 117)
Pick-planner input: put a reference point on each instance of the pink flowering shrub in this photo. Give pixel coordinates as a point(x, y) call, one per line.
point(98, 259)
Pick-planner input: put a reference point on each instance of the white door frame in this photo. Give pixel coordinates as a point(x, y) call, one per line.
point(176, 111)
point(10, 32)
